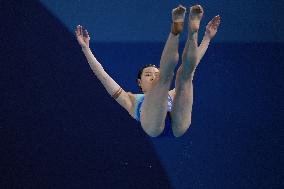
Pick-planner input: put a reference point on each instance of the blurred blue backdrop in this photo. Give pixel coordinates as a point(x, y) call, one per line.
point(60, 129)
point(148, 20)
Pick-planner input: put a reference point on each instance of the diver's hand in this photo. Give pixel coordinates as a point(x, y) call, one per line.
point(82, 36)
point(212, 27)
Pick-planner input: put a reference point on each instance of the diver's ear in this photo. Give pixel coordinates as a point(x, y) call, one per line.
point(139, 82)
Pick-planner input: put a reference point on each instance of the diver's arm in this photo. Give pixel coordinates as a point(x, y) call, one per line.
point(122, 97)
point(210, 32)
point(203, 47)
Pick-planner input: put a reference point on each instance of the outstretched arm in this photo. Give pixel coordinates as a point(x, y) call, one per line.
point(122, 97)
point(211, 30)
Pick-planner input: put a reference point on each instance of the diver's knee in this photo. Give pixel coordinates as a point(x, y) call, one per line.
point(180, 132)
point(153, 130)
point(180, 129)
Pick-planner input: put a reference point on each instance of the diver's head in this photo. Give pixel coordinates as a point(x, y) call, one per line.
point(147, 77)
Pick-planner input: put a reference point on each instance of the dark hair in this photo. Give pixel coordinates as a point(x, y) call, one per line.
point(141, 71)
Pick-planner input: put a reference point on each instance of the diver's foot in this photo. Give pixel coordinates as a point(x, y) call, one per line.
point(195, 16)
point(178, 15)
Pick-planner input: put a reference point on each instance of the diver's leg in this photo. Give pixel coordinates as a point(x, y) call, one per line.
point(154, 108)
point(182, 103)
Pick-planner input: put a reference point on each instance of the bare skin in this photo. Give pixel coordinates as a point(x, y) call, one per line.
point(178, 15)
point(154, 107)
point(149, 78)
point(82, 36)
point(192, 54)
point(182, 103)
point(182, 95)
point(155, 83)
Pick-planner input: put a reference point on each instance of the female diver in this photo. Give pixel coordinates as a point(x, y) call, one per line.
point(160, 111)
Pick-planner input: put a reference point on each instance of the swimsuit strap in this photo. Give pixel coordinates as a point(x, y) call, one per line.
point(139, 98)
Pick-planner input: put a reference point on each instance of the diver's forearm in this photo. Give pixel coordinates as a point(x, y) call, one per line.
point(110, 85)
point(203, 46)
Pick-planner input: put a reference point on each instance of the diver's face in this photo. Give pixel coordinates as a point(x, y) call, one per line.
point(149, 78)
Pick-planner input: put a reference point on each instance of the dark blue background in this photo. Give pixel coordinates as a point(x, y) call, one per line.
point(60, 129)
